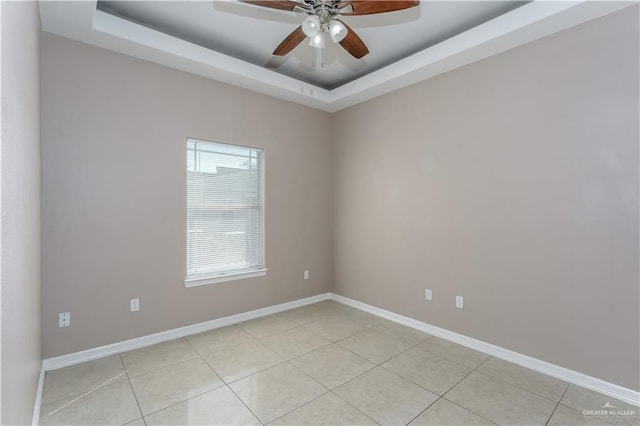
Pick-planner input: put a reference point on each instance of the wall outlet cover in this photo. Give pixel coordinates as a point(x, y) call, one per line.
point(64, 319)
point(135, 305)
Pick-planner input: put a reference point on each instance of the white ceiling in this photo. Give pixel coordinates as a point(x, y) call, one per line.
point(231, 41)
point(251, 33)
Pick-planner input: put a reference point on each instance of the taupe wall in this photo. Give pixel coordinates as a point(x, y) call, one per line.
point(114, 140)
point(514, 183)
point(21, 191)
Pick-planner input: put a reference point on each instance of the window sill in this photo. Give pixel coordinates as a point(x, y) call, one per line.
point(195, 282)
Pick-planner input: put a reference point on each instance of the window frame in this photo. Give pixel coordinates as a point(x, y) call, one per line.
point(201, 280)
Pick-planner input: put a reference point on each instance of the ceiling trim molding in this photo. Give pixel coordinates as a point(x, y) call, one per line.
point(81, 21)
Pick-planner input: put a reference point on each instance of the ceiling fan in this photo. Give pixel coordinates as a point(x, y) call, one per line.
point(323, 19)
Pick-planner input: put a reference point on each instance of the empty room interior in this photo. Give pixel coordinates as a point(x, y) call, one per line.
point(320, 212)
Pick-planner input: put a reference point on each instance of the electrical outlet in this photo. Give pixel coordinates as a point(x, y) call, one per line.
point(459, 302)
point(428, 294)
point(64, 319)
point(135, 305)
point(306, 275)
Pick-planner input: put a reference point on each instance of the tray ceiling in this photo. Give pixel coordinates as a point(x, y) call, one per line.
point(231, 42)
point(250, 33)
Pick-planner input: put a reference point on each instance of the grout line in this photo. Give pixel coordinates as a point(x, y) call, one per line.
point(243, 403)
point(379, 365)
point(202, 355)
point(520, 387)
point(224, 384)
point(120, 354)
point(265, 318)
point(132, 389)
point(337, 313)
point(179, 402)
point(243, 377)
point(472, 412)
point(367, 328)
point(328, 389)
point(556, 407)
point(193, 347)
point(603, 419)
point(375, 365)
point(356, 408)
point(310, 376)
point(184, 400)
point(299, 407)
point(228, 383)
point(429, 406)
point(460, 381)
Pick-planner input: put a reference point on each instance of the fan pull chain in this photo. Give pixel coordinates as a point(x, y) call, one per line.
point(319, 59)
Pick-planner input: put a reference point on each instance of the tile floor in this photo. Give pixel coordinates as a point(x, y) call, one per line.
point(322, 364)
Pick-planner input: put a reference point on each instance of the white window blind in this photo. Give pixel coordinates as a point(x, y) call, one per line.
point(224, 210)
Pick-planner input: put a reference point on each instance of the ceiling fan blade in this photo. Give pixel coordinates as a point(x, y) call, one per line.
point(353, 44)
point(290, 42)
point(369, 7)
point(273, 4)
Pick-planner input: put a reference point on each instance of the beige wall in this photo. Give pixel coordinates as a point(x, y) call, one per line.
point(21, 191)
point(114, 141)
point(514, 183)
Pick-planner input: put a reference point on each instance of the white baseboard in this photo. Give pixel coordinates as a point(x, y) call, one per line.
point(627, 395)
point(163, 336)
point(36, 410)
point(570, 376)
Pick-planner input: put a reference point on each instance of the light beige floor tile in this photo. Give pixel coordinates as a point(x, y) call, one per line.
point(218, 407)
point(277, 391)
point(242, 360)
point(334, 307)
point(565, 416)
point(261, 327)
point(137, 422)
point(333, 365)
point(446, 413)
point(454, 352)
point(400, 332)
point(80, 378)
point(340, 310)
point(327, 410)
point(500, 402)
point(335, 328)
point(326, 304)
point(161, 388)
point(374, 346)
point(306, 315)
point(584, 399)
point(427, 369)
point(111, 404)
point(541, 384)
point(385, 397)
point(364, 318)
point(294, 342)
point(151, 358)
point(218, 339)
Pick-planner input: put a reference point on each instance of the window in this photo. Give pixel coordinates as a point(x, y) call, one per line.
point(225, 212)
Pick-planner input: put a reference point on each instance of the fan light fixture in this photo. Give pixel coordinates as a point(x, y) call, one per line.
point(337, 31)
point(322, 17)
point(314, 28)
point(317, 40)
point(311, 26)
